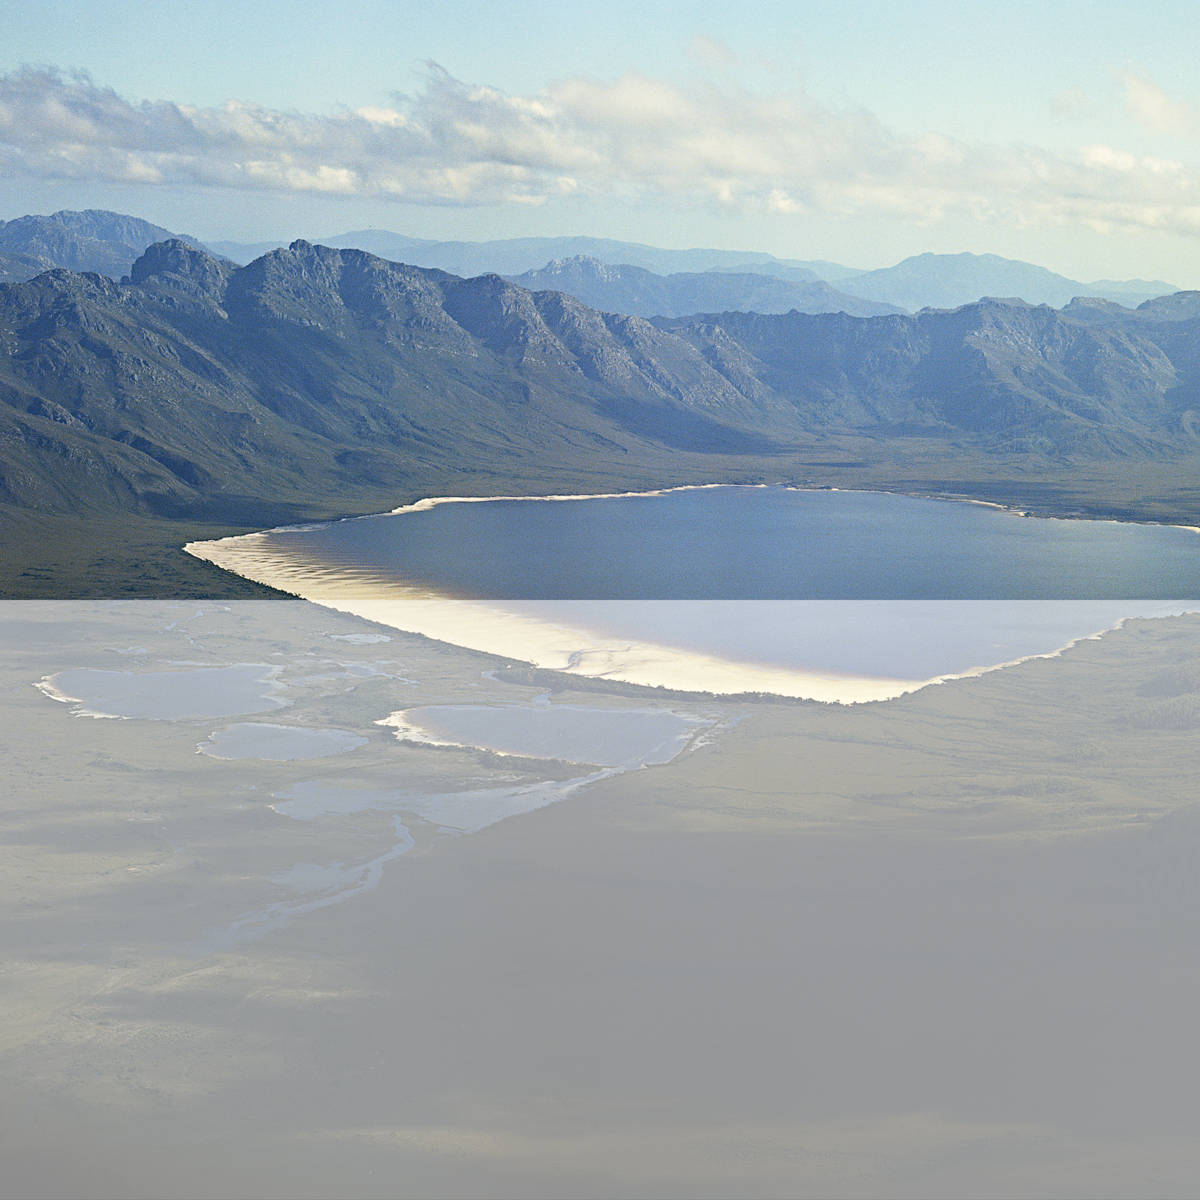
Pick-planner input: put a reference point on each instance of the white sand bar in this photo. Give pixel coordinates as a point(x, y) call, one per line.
point(841, 653)
point(544, 635)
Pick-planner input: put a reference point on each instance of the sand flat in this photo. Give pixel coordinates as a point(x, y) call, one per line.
point(279, 743)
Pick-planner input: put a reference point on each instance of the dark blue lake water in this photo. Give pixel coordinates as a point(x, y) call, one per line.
point(743, 543)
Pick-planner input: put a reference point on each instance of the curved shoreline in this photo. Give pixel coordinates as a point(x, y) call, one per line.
point(545, 644)
point(427, 503)
point(408, 727)
point(572, 650)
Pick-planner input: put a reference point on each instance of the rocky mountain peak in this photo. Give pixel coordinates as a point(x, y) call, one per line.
point(172, 256)
point(176, 267)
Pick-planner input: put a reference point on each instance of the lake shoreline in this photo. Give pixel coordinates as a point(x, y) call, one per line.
point(544, 645)
point(562, 641)
point(426, 503)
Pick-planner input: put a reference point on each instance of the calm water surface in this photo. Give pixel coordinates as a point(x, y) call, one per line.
point(741, 543)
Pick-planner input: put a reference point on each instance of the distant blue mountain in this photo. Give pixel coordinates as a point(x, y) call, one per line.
point(951, 280)
point(512, 256)
point(629, 289)
point(922, 281)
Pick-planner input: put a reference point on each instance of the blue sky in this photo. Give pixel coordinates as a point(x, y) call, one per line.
point(1064, 133)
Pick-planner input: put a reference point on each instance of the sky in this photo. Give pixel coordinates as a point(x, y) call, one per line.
point(1066, 134)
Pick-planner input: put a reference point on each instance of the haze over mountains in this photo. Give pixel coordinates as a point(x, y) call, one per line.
point(950, 280)
point(611, 275)
point(922, 281)
point(511, 256)
point(645, 294)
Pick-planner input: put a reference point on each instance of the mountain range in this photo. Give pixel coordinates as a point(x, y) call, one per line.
point(921, 281)
point(511, 256)
point(197, 384)
point(951, 280)
point(196, 397)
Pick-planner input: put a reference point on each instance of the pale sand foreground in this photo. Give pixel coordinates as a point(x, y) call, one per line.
point(942, 946)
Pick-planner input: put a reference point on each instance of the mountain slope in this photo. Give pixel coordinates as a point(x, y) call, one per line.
point(1011, 378)
point(16, 268)
point(198, 386)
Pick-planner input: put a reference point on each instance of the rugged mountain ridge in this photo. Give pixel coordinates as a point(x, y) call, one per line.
point(920, 281)
point(108, 242)
point(316, 380)
point(1011, 377)
point(197, 386)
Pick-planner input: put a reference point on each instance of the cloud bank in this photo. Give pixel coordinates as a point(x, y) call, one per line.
point(634, 137)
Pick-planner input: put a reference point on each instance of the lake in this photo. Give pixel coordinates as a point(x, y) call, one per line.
point(826, 594)
point(751, 543)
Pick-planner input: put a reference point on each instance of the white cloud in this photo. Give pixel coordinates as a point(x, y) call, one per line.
point(779, 201)
point(390, 117)
point(1107, 157)
point(635, 136)
point(1154, 109)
